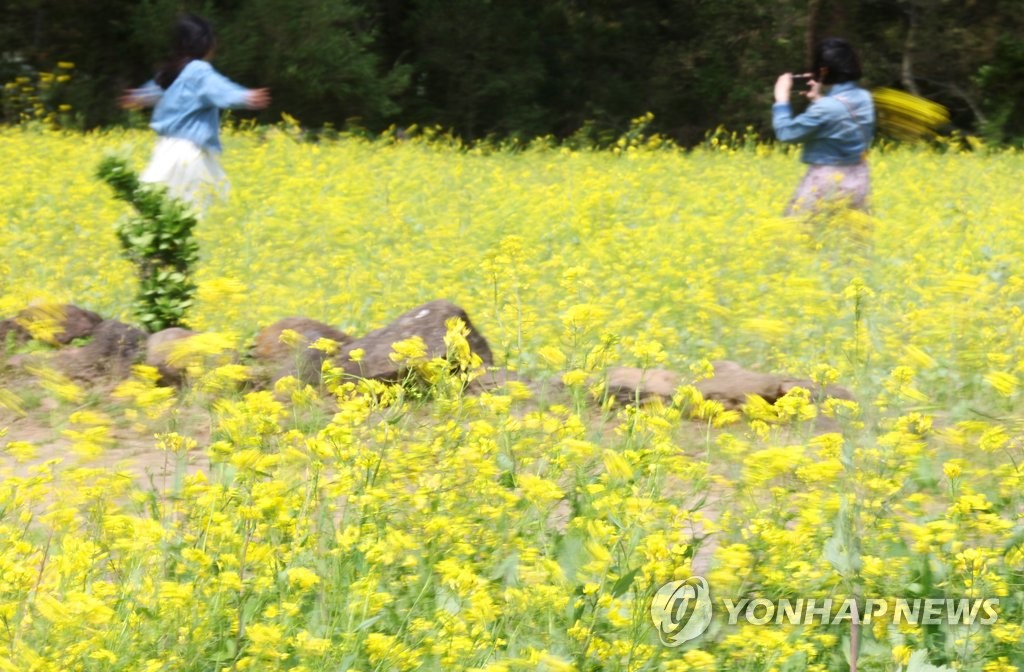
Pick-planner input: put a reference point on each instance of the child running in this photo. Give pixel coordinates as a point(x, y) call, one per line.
point(187, 95)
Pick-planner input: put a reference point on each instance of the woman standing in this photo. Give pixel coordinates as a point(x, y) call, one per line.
point(836, 130)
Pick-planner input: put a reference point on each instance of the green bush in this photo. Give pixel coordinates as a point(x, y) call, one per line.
point(158, 240)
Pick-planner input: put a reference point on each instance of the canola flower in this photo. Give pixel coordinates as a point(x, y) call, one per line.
point(375, 526)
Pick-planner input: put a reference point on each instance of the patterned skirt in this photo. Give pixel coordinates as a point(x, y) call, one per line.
point(824, 187)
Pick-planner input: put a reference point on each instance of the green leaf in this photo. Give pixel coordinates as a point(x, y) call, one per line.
point(919, 663)
point(578, 608)
point(507, 571)
point(570, 553)
point(141, 240)
point(624, 583)
point(368, 622)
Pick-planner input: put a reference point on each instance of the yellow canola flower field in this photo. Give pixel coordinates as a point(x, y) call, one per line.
point(370, 526)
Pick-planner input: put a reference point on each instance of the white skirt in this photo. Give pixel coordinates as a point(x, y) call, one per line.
point(189, 172)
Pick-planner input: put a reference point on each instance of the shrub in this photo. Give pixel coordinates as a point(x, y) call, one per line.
point(158, 240)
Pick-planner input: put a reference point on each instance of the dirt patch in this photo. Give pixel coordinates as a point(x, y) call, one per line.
point(127, 451)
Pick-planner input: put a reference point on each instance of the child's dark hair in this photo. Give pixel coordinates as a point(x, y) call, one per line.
point(193, 39)
point(838, 56)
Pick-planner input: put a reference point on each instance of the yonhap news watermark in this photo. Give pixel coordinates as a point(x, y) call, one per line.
point(682, 610)
point(827, 611)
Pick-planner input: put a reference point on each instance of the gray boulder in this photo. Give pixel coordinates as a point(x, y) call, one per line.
point(730, 385)
point(426, 321)
point(67, 322)
point(158, 348)
point(630, 385)
point(280, 359)
point(114, 347)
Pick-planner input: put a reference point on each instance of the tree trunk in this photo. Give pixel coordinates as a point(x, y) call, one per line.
point(907, 63)
point(963, 95)
point(813, 16)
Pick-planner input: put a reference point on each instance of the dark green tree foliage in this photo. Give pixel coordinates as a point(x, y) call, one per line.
point(614, 59)
point(96, 36)
point(317, 57)
point(158, 240)
point(479, 65)
point(721, 63)
point(1002, 86)
point(945, 50)
point(532, 67)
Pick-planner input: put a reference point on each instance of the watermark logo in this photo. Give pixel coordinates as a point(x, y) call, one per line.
point(681, 610)
point(917, 611)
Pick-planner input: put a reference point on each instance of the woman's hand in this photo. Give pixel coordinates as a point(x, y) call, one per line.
point(813, 91)
point(783, 87)
point(258, 99)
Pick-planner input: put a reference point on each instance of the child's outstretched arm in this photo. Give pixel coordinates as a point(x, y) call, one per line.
point(258, 99)
point(220, 91)
point(147, 95)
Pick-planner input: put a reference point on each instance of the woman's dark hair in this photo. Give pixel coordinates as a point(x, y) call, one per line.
point(838, 56)
point(193, 39)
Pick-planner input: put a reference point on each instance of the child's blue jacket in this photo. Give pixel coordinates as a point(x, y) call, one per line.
point(190, 107)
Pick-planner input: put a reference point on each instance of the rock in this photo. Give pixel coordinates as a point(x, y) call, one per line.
point(489, 381)
point(114, 347)
point(731, 385)
point(17, 361)
point(630, 385)
point(10, 329)
point(817, 392)
point(159, 346)
point(116, 340)
point(535, 392)
point(25, 360)
point(426, 321)
point(52, 322)
point(284, 359)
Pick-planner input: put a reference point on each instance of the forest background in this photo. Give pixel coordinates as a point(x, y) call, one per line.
point(571, 69)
